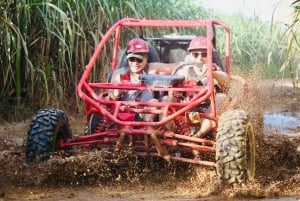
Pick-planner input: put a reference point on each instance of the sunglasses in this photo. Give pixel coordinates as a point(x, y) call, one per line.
point(197, 54)
point(134, 59)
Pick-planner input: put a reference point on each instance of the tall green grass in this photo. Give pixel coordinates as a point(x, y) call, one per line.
point(254, 45)
point(45, 45)
point(291, 65)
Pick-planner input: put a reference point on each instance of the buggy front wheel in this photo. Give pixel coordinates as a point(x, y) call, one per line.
point(48, 127)
point(235, 148)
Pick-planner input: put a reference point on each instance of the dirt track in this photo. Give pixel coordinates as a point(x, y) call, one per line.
point(88, 177)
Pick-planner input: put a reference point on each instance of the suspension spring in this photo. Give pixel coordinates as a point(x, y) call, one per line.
point(103, 125)
point(181, 126)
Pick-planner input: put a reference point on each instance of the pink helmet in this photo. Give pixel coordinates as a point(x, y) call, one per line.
point(137, 45)
point(197, 43)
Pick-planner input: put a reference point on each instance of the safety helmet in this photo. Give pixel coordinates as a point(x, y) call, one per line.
point(197, 43)
point(137, 45)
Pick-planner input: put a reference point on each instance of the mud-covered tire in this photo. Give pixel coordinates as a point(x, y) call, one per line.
point(47, 128)
point(235, 148)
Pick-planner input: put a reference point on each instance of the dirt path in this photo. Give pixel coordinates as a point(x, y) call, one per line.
point(88, 177)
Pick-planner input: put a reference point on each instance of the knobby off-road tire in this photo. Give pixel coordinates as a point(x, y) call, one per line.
point(47, 128)
point(235, 148)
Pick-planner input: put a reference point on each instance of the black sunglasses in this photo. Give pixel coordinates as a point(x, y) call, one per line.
point(133, 59)
point(196, 54)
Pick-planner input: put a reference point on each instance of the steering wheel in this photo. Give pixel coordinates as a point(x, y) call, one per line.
point(197, 73)
point(192, 72)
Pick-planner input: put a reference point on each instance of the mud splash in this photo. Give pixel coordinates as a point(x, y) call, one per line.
point(128, 178)
point(92, 169)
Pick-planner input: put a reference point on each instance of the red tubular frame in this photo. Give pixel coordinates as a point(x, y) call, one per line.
point(99, 103)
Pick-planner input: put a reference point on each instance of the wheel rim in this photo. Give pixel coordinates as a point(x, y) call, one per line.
point(250, 149)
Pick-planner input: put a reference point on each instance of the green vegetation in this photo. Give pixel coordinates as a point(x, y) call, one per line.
point(291, 64)
point(46, 44)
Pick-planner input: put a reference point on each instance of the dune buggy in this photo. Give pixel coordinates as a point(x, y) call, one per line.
point(115, 126)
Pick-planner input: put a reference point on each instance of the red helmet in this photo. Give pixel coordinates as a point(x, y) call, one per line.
point(137, 45)
point(197, 43)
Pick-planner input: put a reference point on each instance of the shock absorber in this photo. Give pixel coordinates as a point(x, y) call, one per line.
point(181, 126)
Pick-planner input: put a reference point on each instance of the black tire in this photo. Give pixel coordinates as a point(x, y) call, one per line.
point(47, 128)
point(94, 122)
point(235, 148)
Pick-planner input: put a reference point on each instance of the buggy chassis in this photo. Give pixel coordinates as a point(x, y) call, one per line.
point(117, 128)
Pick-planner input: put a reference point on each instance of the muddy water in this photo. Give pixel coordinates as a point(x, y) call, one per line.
point(285, 123)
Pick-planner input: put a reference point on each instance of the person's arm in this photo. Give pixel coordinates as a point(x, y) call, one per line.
point(115, 94)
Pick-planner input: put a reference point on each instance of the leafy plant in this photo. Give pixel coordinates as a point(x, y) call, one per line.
point(291, 65)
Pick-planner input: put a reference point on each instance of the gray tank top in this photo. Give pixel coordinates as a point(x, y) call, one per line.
point(138, 95)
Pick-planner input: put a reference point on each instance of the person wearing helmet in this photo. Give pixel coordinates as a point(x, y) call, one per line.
point(194, 68)
point(137, 54)
point(198, 54)
point(198, 57)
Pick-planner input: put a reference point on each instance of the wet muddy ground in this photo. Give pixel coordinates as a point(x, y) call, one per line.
point(88, 176)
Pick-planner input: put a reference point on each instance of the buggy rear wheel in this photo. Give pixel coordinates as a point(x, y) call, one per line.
point(235, 148)
point(94, 122)
point(47, 128)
